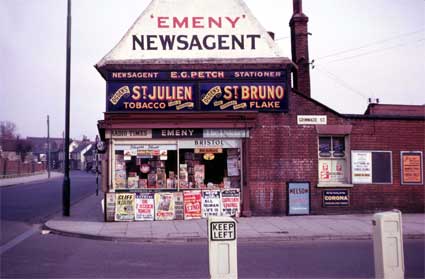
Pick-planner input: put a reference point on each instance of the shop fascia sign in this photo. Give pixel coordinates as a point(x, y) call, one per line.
point(176, 133)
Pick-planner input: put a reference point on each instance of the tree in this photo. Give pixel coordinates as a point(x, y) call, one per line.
point(7, 130)
point(23, 147)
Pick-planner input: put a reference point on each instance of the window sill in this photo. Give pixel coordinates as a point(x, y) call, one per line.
point(334, 185)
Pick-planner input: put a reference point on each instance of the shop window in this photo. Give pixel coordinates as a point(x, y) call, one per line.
point(332, 160)
point(139, 166)
point(145, 166)
point(214, 168)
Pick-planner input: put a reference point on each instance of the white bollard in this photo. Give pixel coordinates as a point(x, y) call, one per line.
point(388, 245)
point(222, 248)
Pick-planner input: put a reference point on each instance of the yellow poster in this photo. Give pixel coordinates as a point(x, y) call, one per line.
point(124, 207)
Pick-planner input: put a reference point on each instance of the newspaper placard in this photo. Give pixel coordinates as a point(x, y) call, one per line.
point(124, 207)
point(145, 210)
point(211, 203)
point(411, 168)
point(192, 204)
point(178, 205)
point(164, 206)
point(361, 167)
point(230, 203)
point(110, 207)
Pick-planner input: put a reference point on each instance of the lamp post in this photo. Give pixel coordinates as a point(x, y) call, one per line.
point(66, 193)
point(48, 147)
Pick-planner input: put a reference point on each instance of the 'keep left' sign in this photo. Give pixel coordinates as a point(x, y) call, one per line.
point(223, 231)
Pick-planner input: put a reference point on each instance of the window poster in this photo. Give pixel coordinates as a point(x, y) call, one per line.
point(164, 206)
point(211, 203)
point(325, 170)
point(298, 198)
point(120, 172)
point(145, 210)
point(230, 203)
point(233, 166)
point(411, 168)
point(178, 206)
point(124, 207)
point(338, 170)
point(110, 207)
point(192, 204)
point(361, 167)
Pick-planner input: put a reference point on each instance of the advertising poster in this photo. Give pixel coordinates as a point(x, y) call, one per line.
point(411, 168)
point(178, 205)
point(361, 167)
point(298, 198)
point(110, 207)
point(120, 172)
point(199, 175)
point(192, 204)
point(211, 203)
point(145, 210)
point(338, 170)
point(335, 198)
point(124, 207)
point(233, 166)
point(164, 206)
point(230, 203)
point(325, 170)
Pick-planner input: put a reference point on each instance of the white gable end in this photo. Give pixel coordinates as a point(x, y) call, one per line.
point(194, 29)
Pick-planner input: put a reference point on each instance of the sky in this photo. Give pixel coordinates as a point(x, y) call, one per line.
point(361, 49)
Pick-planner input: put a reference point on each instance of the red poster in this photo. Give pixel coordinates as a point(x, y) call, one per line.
point(192, 204)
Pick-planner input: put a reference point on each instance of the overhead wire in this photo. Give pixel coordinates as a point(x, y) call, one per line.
point(342, 82)
point(370, 44)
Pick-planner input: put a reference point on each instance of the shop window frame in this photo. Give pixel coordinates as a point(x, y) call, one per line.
point(177, 142)
point(347, 159)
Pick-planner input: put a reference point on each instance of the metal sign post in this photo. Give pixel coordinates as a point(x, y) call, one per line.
point(97, 165)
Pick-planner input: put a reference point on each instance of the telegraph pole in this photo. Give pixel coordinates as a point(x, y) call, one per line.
point(66, 193)
point(48, 147)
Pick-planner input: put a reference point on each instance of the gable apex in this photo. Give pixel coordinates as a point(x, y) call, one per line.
point(193, 30)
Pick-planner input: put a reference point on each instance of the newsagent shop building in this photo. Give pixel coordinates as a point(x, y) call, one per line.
point(205, 116)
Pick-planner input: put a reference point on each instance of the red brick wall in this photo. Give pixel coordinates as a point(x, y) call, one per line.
point(8, 167)
point(280, 151)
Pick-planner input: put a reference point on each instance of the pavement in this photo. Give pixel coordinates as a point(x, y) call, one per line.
point(4, 182)
point(86, 221)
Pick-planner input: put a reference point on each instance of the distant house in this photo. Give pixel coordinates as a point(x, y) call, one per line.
point(8, 149)
point(78, 161)
point(40, 150)
point(90, 158)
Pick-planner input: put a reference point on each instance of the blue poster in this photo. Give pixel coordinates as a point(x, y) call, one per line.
point(298, 198)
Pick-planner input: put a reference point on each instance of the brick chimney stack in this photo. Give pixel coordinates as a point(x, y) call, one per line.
point(299, 45)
